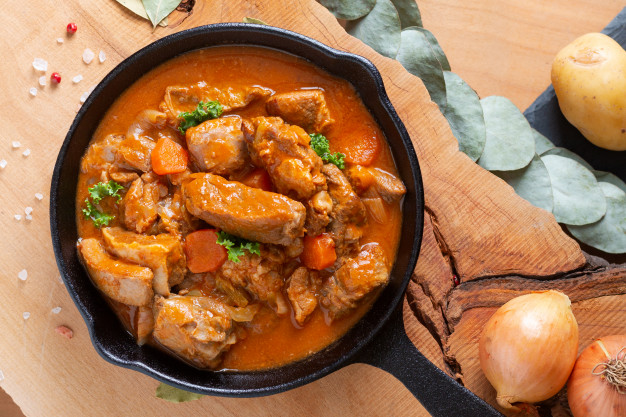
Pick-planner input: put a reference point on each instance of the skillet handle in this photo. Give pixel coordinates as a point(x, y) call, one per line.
point(391, 350)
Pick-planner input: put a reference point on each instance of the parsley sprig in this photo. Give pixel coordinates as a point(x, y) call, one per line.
point(97, 193)
point(204, 111)
point(320, 145)
point(237, 245)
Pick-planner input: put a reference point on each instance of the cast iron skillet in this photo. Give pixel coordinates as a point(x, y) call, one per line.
point(378, 338)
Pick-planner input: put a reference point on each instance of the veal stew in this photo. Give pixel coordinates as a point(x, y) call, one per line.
point(239, 208)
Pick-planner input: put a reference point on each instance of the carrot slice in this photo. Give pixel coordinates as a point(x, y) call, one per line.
point(202, 251)
point(363, 149)
point(258, 178)
point(319, 252)
point(168, 157)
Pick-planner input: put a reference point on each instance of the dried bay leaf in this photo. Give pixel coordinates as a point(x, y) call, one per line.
point(566, 153)
point(602, 176)
point(418, 57)
point(578, 200)
point(158, 10)
point(409, 13)
point(465, 116)
point(542, 143)
point(253, 20)
point(434, 44)
point(175, 395)
point(380, 29)
point(532, 183)
point(135, 6)
point(510, 144)
point(609, 233)
point(349, 9)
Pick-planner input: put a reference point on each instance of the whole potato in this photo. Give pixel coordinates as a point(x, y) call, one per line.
point(589, 77)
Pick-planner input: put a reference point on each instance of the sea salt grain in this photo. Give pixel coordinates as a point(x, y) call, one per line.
point(40, 64)
point(59, 40)
point(26, 315)
point(18, 217)
point(42, 80)
point(23, 274)
point(102, 56)
point(26, 152)
point(56, 310)
point(77, 79)
point(88, 56)
point(39, 196)
point(28, 217)
point(3, 163)
point(16, 144)
point(33, 91)
point(28, 210)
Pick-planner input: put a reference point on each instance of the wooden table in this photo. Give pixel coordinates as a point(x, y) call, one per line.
point(499, 47)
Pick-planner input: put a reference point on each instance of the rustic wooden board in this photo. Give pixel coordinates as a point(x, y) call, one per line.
point(479, 227)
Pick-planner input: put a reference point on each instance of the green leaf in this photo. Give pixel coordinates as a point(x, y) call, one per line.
point(236, 245)
point(380, 29)
point(532, 183)
point(204, 111)
point(578, 200)
point(103, 189)
point(566, 153)
point(321, 146)
point(510, 144)
point(609, 233)
point(136, 6)
point(253, 20)
point(465, 115)
point(99, 218)
point(349, 9)
point(602, 176)
point(418, 56)
point(175, 395)
point(409, 13)
point(157, 10)
point(434, 44)
point(542, 143)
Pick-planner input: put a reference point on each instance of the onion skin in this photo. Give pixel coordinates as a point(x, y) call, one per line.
point(589, 395)
point(528, 347)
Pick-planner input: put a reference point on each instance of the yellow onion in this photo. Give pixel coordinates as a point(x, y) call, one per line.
point(597, 386)
point(528, 347)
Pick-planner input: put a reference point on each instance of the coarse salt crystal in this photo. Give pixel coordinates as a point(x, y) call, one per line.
point(84, 96)
point(40, 64)
point(18, 217)
point(77, 79)
point(28, 217)
point(3, 163)
point(39, 196)
point(88, 56)
point(59, 40)
point(16, 144)
point(59, 279)
point(23, 274)
point(32, 91)
point(42, 80)
point(102, 56)
point(26, 315)
point(28, 210)
point(1, 376)
point(26, 152)
point(56, 310)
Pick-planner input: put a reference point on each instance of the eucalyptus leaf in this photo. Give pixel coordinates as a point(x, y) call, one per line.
point(253, 20)
point(542, 143)
point(349, 9)
point(158, 10)
point(380, 29)
point(578, 200)
point(602, 176)
point(409, 13)
point(532, 183)
point(175, 395)
point(418, 57)
point(465, 115)
point(136, 6)
point(566, 153)
point(434, 44)
point(510, 144)
point(609, 233)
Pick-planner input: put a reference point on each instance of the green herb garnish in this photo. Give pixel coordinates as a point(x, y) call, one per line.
point(99, 218)
point(204, 111)
point(104, 189)
point(237, 245)
point(320, 145)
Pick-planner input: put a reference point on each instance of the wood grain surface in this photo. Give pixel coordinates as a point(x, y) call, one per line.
point(498, 47)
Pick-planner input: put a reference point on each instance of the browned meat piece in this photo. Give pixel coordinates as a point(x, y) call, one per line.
point(162, 253)
point(258, 275)
point(347, 238)
point(123, 176)
point(144, 324)
point(140, 205)
point(347, 206)
point(374, 182)
point(180, 99)
point(173, 216)
point(198, 329)
point(150, 124)
point(284, 151)
point(355, 278)
point(218, 146)
point(318, 209)
point(124, 282)
point(135, 153)
point(302, 292)
point(244, 211)
point(101, 154)
point(305, 108)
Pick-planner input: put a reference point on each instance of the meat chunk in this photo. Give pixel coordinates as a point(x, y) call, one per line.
point(375, 182)
point(347, 206)
point(173, 216)
point(162, 253)
point(144, 324)
point(140, 205)
point(124, 282)
point(302, 292)
point(305, 108)
point(284, 151)
point(136, 153)
point(218, 146)
point(318, 209)
point(244, 211)
point(198, 329)
point(101, 154)
point(355, 278)
point(180, 99)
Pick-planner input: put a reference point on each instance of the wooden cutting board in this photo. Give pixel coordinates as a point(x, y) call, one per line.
point(476, 226)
